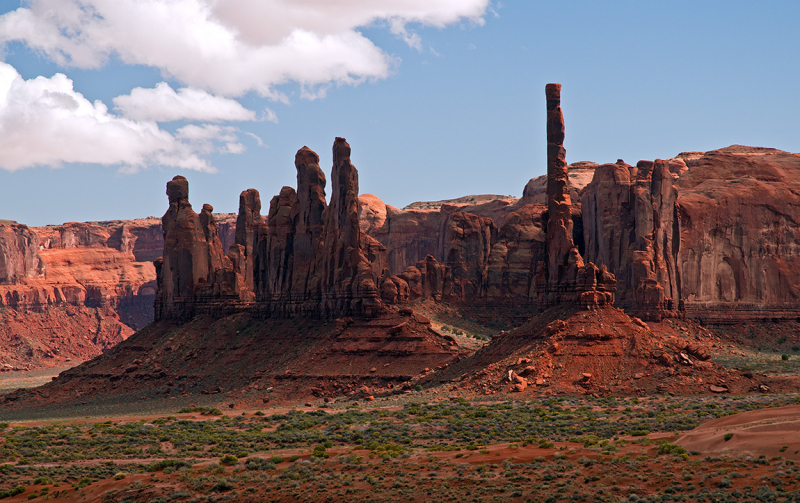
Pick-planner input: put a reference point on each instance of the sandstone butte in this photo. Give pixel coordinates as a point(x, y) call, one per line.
point(708, 236)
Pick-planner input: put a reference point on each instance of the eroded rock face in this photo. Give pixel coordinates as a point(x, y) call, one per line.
point(309, 259)
point(248, 227)
point(19, 253)
point(66, 303)
point(709, 235)
point(520, 247)
point(194, 275)
point(92, 266)
point(739, 214)
point(630, 227)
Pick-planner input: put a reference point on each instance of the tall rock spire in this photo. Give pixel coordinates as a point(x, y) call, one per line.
point(559, 205)
point(568, 279)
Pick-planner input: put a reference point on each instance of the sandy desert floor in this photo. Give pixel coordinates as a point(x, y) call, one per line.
point(426, 448)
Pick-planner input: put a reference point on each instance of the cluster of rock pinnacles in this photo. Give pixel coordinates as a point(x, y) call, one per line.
point(311, 258)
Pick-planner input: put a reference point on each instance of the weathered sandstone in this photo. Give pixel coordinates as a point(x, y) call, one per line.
point(739, 216)
point(630, 227)
point(309, 259)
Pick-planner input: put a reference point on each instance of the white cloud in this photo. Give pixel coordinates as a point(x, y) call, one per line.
point(270, 115)
point(163, 104)
point(208, 137)
point(45, 122)
point(230, 47)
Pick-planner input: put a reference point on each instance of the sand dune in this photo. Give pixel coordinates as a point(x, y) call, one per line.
point(771, 432)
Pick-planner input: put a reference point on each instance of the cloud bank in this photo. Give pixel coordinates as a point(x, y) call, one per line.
point(45, 122)
point(163, 104)
point(231, 47)
point(217, 49)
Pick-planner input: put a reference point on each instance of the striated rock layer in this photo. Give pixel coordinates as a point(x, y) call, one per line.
point(69, 298)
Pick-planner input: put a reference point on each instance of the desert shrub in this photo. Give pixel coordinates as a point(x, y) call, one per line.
point(259, 464)
point(222, 485)
point(229, 460)
point(206, 411)
point(670, 448)
point(168, 463)
point(319, 452)
point(728, 436)
point(83, 483)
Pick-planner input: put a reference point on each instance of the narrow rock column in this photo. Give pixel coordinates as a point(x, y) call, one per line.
point(559, 221)
point(248, 225)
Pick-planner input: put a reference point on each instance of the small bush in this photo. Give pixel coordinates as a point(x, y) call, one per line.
point(728, 436)
point(229, 460)
point(168, 463)
point(206, 411)
point(319, 452)
point(259, 464)
point(83, 483)
point(784, 357)
point(277, 459)
point(222, 485)
point(669, 448)
point(12, 492)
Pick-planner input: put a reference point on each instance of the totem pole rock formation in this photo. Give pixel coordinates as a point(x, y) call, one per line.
point(560, 247)
point(565, 278)
point(309, 259)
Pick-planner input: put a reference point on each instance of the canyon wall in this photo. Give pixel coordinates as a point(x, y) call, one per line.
point(630, 227)
point(712, 236)
point(739, 216)
point(68, 292)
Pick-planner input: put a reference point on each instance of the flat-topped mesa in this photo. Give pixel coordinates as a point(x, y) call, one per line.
point(567, 279)
point(194, 276)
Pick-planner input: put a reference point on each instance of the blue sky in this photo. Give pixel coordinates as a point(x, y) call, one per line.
point(453, 104)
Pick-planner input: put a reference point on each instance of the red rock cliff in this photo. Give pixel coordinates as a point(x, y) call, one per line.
point(739, 215)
